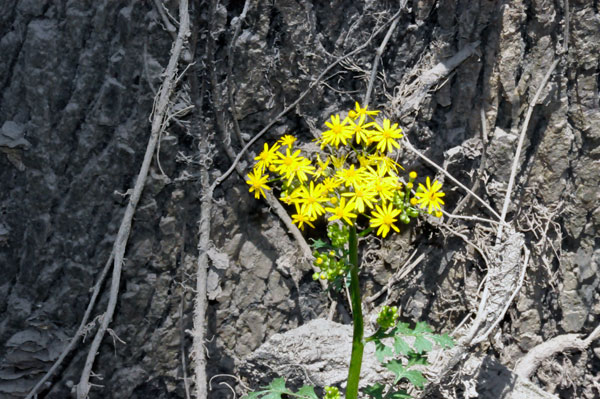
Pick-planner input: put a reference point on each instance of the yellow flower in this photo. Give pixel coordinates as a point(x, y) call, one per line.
point(361, 131)
point(338, 132)
point(430, 196)
point(329, 184)
point(386, 164)
point(350, 176)
point(288, 140)
point(257, 182)
point(322, 169)
point(338, 162)
point(342, 211)
point(384, 218)
point(360, 196)
point(384, 185)
point(301, 217)
point(361, 113)
point(311, 198)
point(386, 136)
point(266, 157)
point(293, 165)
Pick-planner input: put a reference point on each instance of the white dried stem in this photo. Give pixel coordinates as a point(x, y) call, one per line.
point(123, 235)
point(515, 165)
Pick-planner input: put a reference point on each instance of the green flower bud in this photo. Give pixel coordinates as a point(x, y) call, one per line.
point(412, 212)
point(404, 218)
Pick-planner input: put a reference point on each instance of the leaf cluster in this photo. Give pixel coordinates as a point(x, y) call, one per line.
point(404, 354)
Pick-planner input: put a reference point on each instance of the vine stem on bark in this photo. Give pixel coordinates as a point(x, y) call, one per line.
point(120, 245)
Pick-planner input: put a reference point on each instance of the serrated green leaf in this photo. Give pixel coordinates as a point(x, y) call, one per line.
point(382, 351)
point(275, 389)
point(422, 327)
point(307, 392)
point(444, 340)
point(400, 346)
point(414, 376)
point(422, 345)
point(395, 367)
point(375, 391)
point(415, 358)
point(402, 329)
point(401, 394)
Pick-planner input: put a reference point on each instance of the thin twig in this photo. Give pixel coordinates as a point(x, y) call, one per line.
point(378, 55)
point(230, 82)
point(80, 330)
point(123, 235)
point(186, 384)
point(515, 165)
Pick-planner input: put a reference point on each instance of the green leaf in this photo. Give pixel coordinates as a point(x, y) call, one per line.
point(375, 391)
point(415, 377)
point(444, 340)
point(382, 351)
point(403, 329)
point(275, 389)
point(400, 346)
point(422, 344)
point(401, 394)
point(316, 244)
point(307, 392)
point(422, 327)
point(415, 358)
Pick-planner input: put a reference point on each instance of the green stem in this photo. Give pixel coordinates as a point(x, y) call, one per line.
point(357, 318)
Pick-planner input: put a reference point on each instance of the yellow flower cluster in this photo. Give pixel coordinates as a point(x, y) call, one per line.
point(356, 177)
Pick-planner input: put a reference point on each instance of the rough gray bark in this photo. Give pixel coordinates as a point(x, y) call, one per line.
point(76, 91)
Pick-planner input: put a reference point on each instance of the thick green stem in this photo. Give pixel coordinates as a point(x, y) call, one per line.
point(357, 318)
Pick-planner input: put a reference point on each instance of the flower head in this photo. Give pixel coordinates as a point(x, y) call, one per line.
point(386, 136)
point(384, 217)
point(430, 196)
point(342, 211)
point(267, 156)
point(338, 132)
point(288, 140)
point(257, 182)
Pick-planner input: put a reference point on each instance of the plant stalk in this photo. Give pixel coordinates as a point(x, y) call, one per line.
point(357, 318)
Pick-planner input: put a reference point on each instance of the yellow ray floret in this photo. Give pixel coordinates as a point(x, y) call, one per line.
point(384, 217)
point(386, 136)
point(430, 196)
point(266, 157)
point(257, 182)
point(288, 140)
point(302, 216)
point(339, 132)
point(343, 211)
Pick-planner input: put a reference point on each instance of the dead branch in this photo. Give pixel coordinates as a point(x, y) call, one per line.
point(230, 89)
point(378, 55)
point(123, 235)
point(421, 86)
point(529, 363)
